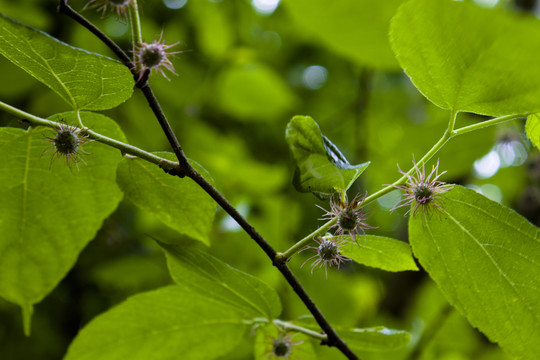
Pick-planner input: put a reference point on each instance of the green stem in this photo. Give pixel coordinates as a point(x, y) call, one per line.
point(487, 123)
point(135, 20)
point(302, 243)
point(123, 147)
point(291, 327)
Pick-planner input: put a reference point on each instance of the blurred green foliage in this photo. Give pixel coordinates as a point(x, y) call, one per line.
point(242, 75)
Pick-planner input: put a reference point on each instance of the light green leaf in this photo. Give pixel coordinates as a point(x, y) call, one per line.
point(84, 80)
point(485, 258)
point(356, 29)
point(533, 129)
point(168, 323)
point(49, 212)
point(466, 58)
point(302, 346)
point(197, 270)
point(321, 167)
point(179, 203)
point(380, 252)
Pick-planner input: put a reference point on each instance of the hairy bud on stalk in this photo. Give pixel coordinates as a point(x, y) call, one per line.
point(154, 56)
point(327, 254)
point(119, 6)
point(67, 143)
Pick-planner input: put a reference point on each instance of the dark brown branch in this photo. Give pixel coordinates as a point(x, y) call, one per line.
point(185, 169)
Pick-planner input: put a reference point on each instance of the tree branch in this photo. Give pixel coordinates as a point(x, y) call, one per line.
point(185, 169)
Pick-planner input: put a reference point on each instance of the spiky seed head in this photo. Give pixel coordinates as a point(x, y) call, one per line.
point(349, 216)
point(120, 7)
point(327, 253)
point(154, 56)
point(422, 190)
point(281, 347)
point(67, 142)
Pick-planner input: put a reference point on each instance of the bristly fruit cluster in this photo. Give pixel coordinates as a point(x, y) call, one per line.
point(282, 346)
point(422, 191)
point(349, 219)
point(154, 56)
point(67, 143)
point(120, 7)
point(327, 253)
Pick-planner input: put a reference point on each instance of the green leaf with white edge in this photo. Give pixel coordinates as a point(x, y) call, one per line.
point(84, 80)
point(321, 167)
point(532, 128)
point(194, 268)
point(485, 258)
point(355, 29)
point(380, 252)
point(179, 203)
point(168, 323)
point(466, 58)
point(50, 212)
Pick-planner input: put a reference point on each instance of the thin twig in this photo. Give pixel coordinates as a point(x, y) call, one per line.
point(187, 170)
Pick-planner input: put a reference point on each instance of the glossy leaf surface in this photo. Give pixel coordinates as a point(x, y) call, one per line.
point(50, 212)
point(84, 80)
point(466, 58)
point(168, 323)
point(321, 167)
point(179, 203)
point(484, 257)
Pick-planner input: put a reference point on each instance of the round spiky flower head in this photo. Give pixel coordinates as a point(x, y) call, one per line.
point(350, 219)
point(422, 190)
point(119, 6)
point(282, 346)
point(154, 56)
point(67, 143)
point(327, 253)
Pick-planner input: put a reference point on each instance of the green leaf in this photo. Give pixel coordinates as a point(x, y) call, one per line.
point(321, 167)
point(533, 129)
point(380, 252)
point(201, 272)
point(466, 58)
point(484, 256)
point(168, 323)
point(356, 29)
point(49, 212)
point(84, 80)
point(179, 203)
point(375, 339)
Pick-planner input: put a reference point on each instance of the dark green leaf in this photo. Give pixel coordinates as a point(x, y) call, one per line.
point(380, 252)
point(49, 212)
point(168, 323)
point(484, 257)
point(84, 80)
point(179, 203)
point(357, 29)
point(466, 58)
point(197, 270)
point(321, 167)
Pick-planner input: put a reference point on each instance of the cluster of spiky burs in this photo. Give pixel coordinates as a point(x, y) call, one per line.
point(154, 56)
point(421, 191)
point(67, 143)
point(349, 219)
point(120, 7)
point(282, 346)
